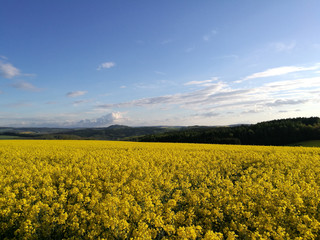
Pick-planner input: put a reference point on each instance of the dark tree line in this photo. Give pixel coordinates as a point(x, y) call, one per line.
point(276, 132)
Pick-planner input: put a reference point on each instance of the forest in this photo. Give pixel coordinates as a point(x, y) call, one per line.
point(276, 132)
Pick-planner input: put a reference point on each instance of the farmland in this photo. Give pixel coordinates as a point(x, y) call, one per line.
point(125, 190)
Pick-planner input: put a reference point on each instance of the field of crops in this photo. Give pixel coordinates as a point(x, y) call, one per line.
point(123, 190)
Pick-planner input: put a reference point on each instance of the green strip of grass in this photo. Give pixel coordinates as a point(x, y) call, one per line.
point(313, 143)
point(9, 137)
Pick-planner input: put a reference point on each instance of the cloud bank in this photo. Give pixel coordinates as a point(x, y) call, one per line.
point(104, 121)
point(219, 98)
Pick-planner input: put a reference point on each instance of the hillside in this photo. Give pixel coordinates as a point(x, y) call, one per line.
point(276, 132)
point(114, 132)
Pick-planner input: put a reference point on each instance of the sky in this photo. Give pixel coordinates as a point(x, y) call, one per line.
point(97, 63)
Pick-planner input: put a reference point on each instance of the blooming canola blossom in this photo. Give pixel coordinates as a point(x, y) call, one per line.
point(125, 190)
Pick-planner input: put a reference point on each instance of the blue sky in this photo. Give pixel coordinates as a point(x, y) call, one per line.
point(98, 63)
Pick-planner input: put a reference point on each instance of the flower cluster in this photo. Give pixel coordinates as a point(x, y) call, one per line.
point(124, 190)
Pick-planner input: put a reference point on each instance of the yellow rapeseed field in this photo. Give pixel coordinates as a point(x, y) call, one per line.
point(124, 190)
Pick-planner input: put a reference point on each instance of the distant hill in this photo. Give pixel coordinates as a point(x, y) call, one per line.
point(276, 132)
point(114, 132)
point(31, 130)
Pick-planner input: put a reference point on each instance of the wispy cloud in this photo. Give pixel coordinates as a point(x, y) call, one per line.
point(76, 93)
point(228, 56)
point(316, 46)
point(198, 82)
point(106, 65)
point(159, 73)
point(220, 98)
point(281, 102)
point(140, 42)
point(272, 72)
point(296, 84)
point(207, 37)
point(188, 50)
point(51, 102)
point(20, 104)
point(252, 111)
point(154, 84)
point(25, 86)
point(7, 70)
point(166, 41)
point(76, 103)
point(175, 99)
point(203, 82)
point(283, 47)
point(206, 115)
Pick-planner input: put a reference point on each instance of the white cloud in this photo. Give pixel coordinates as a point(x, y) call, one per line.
point(106, 65)
point(208, 103)
point(7, 70)
point(191, 98)
point(198, 82)
point(272, 72)
point(25, 86)
point(202, 83)
point(76, 93)
point(220, 98)
point(104, 121)
point(301, 83)
point(62, 120)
